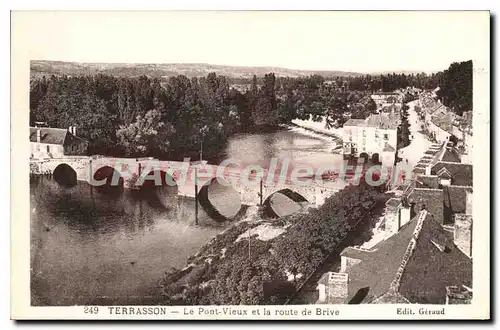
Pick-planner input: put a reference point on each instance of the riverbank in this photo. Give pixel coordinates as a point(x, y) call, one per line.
point(319, 128)
point(264, 261)
point(92, 248)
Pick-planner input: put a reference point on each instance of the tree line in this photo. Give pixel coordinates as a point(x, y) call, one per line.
point(169, 118)
point(149, 117)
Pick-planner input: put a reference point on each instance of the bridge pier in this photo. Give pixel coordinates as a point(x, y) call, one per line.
point(255, 193)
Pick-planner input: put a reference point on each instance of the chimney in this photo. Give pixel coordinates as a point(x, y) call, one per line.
point(337, 288)
point(72, 130)
point(404, 215)
point(38, 135)
point(462, 236)
point(468, 205)
point(458, 295)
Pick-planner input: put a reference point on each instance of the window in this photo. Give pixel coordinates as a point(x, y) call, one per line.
point(386, 136)
point(48, 149)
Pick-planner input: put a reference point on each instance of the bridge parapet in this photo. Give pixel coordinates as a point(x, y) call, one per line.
point(183, 173)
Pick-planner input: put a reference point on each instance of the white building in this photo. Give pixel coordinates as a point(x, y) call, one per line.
point(387, 98)
point(375, 137)
point(47, 142)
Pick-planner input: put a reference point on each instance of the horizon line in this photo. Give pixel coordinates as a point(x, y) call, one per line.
point(250, 66)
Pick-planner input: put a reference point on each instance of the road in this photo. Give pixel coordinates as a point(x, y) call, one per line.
point(419, 144)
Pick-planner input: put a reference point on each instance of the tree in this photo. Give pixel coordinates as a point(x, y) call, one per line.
point(148, 134)
point(456, 87)
point(264, 111)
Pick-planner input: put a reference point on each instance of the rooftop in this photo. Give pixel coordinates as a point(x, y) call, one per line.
point(48, 135)
point(404, 274)
point(451, 155)
point(458, 294)
point(393, 202)
point(454, 201)
point(444, 120)
point(354, 122)
point(388, 147)
point(427, 181)
point(382, 121)
point(461, 173)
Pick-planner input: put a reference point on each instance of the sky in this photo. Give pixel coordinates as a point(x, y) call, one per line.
point(346, 41)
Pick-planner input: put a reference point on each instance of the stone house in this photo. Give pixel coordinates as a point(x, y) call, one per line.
point(48, 142)
point(373, 138)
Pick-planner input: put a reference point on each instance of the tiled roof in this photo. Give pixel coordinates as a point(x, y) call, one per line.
point(444, 121)
point(458, 294)
point(433, 108)
point(381, 121)
point(391, 297)
point(384, 262)
point(454, 201)
point(354, 253)
point(427, 269)
point(461, 173)
point(323, 279)
point(49, 135)
point(419, 170)
point(451, 155)
point(393, 202)
point(427, 181)
point(431, 152)
point(423, 163)
point(430, 199)
point(444, 173)
point(354, 122)
point(388, 147)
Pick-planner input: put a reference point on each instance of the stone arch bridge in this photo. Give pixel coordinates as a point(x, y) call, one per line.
point(180, 178)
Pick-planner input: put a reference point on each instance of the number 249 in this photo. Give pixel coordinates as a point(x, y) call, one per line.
point(91, 309)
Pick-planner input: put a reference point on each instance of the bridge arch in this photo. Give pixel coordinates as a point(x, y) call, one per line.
point(220, 201)
point(283, 202)
point(364, 156)
point(161, 185)
point(65, 175)
point(114, 180)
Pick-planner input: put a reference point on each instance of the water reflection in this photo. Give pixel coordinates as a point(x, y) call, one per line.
point(89, 247)
point(298, 147)
point(93, 246)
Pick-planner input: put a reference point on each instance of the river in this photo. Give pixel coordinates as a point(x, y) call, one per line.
point(93, 248)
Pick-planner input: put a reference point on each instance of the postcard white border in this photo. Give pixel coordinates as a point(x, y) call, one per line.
point(23, 49)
